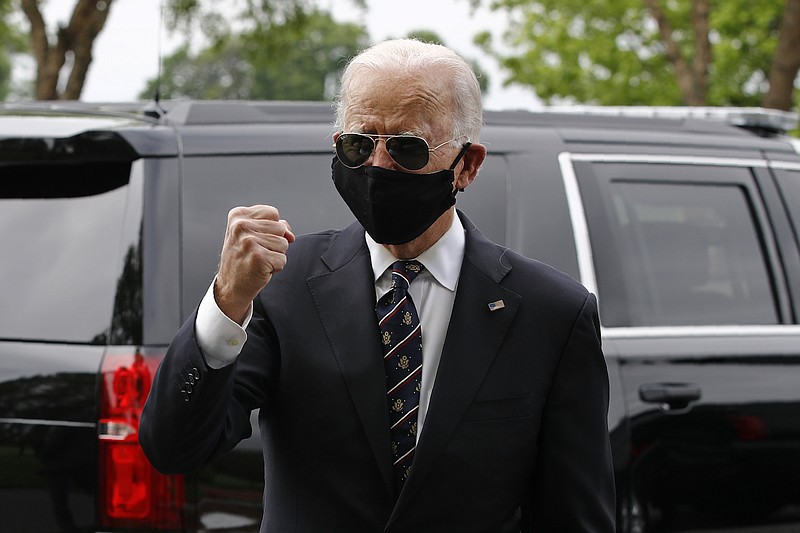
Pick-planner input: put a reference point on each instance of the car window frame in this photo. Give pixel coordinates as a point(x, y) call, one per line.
point(583, 246)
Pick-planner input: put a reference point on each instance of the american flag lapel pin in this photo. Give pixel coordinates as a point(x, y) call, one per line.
point(494, 306)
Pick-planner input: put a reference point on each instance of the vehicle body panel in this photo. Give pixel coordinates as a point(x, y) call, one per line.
point(704, 415)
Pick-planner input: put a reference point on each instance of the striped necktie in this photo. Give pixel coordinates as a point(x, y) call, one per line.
point(401, 338)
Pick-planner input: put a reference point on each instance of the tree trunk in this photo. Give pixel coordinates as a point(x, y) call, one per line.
point(686, 76)
point(786, 62)
point(75, 40)
point(702, 46)
point(88, 20)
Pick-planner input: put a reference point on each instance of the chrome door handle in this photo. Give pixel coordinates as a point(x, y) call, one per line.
point(671, 396)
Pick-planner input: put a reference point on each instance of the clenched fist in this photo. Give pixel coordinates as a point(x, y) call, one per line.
point(256, 241)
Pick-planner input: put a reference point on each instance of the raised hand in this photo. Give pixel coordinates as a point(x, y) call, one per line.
point(256, 241)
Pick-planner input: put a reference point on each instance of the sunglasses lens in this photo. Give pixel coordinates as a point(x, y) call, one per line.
point(410, 152)
point(354, 149)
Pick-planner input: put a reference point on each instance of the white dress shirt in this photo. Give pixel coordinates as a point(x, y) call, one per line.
point(433, 292)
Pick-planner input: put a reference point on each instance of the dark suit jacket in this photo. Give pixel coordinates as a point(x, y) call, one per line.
point(515, 436)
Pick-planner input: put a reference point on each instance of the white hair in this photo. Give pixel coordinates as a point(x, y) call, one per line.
point(411, 55)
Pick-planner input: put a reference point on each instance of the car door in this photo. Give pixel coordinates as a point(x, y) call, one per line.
point(694, 293)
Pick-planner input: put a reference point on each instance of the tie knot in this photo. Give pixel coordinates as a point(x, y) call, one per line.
point(404, 272)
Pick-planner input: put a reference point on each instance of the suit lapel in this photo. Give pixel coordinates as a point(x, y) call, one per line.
point(345, 301)
point(345, 296)
point(473, 338)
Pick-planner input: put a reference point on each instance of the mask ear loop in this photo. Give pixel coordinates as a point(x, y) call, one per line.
point(457, 159)
point(460, 155)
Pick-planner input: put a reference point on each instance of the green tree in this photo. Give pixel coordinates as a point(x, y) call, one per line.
point(298, 58)
point(432, 37)
point(216, 73)
point(652, 52)
point(302, 60)
point(65, 52)
point(216, 19)
point(11, 42)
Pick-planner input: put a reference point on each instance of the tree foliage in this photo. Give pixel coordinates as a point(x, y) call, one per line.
point(217, 19)
point(296, 55)
point(11, 42)
point(63, 54)
point(652, 52)
point(432, 37)
point(217, 73)
point(298, 58)
point(303, 61)
point(258, 49)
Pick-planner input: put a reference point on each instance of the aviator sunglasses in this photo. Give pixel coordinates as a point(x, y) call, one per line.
point(408, 151)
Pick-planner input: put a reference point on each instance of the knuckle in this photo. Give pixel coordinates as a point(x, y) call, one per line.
point(265, 212)
point(279, 243)
point(240, 228)
point(237, 212)
point(277, 263)
point(272, 212)
point(248, 243)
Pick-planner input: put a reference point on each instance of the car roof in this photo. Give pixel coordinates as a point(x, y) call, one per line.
point(717, 127)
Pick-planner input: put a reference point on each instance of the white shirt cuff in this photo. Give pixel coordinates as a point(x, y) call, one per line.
point(220, 338)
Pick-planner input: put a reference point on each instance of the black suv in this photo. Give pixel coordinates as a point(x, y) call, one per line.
point(684, 222)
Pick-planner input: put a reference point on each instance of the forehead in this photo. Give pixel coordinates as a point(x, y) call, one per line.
point(395, 103)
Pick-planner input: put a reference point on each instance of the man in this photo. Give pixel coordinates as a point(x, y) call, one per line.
point(492, 419)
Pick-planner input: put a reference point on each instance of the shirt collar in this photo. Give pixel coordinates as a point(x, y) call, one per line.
point(443, 259)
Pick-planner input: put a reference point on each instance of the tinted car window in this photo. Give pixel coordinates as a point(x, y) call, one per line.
point(679, 253)
point(61, 234)
point(789, 182)
point(484, 201)
point(300, 186)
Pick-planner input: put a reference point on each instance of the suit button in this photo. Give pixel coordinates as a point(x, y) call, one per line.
point(187, 387)
point(191, 379)
point(185, 395)
point(196, 373)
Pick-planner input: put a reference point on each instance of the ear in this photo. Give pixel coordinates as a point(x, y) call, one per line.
point(470, 165)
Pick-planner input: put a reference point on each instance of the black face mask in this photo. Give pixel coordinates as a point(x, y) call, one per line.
point(395, 207)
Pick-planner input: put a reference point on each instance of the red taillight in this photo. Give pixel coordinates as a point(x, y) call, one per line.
point(132, 494)
point(749, 427)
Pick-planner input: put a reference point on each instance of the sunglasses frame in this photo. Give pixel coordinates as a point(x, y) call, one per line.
point(375, 137)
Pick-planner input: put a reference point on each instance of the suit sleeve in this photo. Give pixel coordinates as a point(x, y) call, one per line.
point(187, 421)
point(573, 484)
